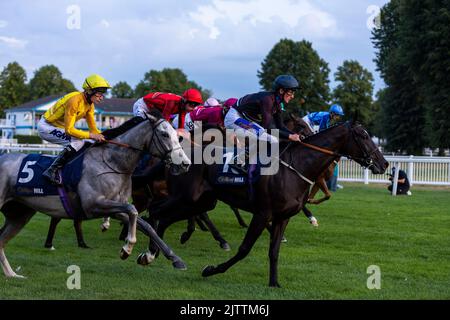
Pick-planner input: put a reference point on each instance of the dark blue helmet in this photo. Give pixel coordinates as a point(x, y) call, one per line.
point(285, 82)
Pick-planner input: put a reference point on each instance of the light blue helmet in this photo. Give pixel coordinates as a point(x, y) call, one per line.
point(337, 109)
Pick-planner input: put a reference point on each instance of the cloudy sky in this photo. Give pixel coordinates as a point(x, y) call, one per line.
point(219, 44)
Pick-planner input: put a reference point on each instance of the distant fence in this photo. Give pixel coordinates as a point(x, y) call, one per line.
point(420, 170)
point(31, 148)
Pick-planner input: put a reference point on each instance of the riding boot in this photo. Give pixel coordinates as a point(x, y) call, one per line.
point(52, 172)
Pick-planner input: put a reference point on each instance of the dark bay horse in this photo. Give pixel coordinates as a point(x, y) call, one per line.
point(276, 197)
point(104, 188)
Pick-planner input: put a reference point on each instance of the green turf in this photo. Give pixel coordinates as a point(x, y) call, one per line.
point(407, 237)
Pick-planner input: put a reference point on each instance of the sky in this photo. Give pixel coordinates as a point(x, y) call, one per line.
point(219, 44)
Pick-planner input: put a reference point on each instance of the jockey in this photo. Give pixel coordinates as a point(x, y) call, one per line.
point(211, 102)
point(209, 115)
point(324, 119)
point(168, 104)
point(57, 125)
point(257, 112)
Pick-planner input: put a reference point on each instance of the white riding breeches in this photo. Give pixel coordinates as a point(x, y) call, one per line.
point(234, 120)
point(56, 135)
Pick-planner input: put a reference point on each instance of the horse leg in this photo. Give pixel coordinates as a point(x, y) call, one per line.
point(313, 192)
point(109, 207)
point(257, 225)
point(239, 217)
point(157, 242)
point(105, 224)
point(323, 186)
point(124, 231)
point(79, 233)
point(51, 233)
point(216, 234)
point(269, 228)
point(14, 222)
point(190, 229)
point(201, 224)
point(276, 234)
point(310, 216)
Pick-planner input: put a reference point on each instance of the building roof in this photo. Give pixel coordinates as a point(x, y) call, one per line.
point(112, 106)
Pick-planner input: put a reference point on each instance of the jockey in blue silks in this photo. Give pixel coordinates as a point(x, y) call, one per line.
point(324, 119)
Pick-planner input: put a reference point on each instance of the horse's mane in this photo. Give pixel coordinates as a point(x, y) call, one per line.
point(127, 125)
point(323, 132)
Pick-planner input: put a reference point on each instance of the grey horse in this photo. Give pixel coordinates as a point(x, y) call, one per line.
point(104, 188)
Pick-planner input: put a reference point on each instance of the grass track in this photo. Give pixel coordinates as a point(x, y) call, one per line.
point(407, 237)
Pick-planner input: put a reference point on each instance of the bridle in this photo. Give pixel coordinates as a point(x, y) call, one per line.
point(159, 145)
point(366, 159)
point(164, 154)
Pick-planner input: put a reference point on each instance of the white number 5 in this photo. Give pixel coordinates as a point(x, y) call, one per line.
point(28, 171)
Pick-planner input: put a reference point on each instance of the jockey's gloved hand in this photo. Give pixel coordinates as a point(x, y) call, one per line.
point(294, 137)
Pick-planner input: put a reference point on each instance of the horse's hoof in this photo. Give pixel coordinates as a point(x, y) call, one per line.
point(180, 265)
point(16, 276)
point(124, 254)
point(314, 222)
point(83, 245)
point(208, 271)
point(283, 239)
point(274, 285)
point(184, 237)
point(51, 248)
point(145, 258)
point(225, 246)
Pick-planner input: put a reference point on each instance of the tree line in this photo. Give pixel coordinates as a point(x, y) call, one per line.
point(354, 83)
point(412, 46)
point(413, 57)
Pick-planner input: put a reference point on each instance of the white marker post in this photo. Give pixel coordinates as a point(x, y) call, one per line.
point(394, 186)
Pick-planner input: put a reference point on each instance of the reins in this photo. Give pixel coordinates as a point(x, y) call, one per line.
point(123, 145)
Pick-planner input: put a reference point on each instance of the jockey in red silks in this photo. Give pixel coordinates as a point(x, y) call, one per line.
point(208, 115)
point(168, 104)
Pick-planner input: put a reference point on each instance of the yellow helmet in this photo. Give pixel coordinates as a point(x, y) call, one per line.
point(96, 83)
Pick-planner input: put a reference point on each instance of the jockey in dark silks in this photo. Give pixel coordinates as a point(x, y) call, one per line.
point(255, 113)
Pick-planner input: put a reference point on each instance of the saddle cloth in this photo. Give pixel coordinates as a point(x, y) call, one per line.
point(226, 175)
point(30, 181)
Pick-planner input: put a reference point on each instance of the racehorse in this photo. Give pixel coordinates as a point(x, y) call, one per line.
point(104, 187)
point(276, 198)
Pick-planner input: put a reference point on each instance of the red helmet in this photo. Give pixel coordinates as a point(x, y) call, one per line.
point(229, 103)
point(193, 95)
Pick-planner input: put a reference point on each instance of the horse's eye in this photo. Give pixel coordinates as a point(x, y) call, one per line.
point(165, 134)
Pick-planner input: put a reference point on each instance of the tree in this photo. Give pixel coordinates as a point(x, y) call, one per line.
point(354, 91)
point(47, 81)
point(122, 90)
point(167, 80)
point(426, 45)
point(303, 62)
point(401, 103)
point(13, 90)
